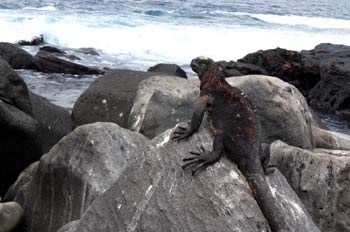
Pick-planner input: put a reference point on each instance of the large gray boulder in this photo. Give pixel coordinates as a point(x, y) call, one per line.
point(163, 197)
point(170, 69)
point(160, 103)
point(17, 57)
point(19, 144)
point(284, 114)
point(109, 98)
point(54, 121)
point(50, 63)
point(79, 168)
point(321, 179)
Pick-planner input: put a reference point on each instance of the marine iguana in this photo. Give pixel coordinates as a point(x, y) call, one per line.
point(236, 128)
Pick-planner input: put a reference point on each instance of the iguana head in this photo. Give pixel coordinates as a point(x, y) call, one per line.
point(201, 64)
point(206, 69)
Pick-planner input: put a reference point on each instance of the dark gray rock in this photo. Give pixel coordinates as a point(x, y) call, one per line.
point(89, 51)
point(329, 62)
point(19, 144)
point(54, 121)
point(51, 49)
point(321, 180)
point(332, 92)
point(13, 90)
point(232, 69)
point(17, 57)
point(312, 58)
point(21, 184)
point(109, 98)
point(36, 40)
point(49, 63)
point(170, 69)
point(278, 62)
point(164, 197)
point(83, 165)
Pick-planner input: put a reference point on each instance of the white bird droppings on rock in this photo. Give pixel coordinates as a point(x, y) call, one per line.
point(234, 175)
point(272, 188)
point(165, 140)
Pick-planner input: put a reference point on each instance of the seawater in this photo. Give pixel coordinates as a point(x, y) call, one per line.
point(137, 34)
point(147, 32)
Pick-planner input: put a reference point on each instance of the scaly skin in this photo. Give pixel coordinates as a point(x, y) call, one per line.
point(236, 129)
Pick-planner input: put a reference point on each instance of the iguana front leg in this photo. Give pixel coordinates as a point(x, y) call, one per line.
point(202, 103)
point(203, 158)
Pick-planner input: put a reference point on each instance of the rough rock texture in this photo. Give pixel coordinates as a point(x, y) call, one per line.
point(278, 62)
point(284, 113)
point(321, 74)
point(22, 181)
point(313, 57)
point(36, 40)
point(75, 171)
point(160, 103)
point(17, 57)
point(170, 69)
point(11, 216)
point(163, 197)
point(54, 121)
point(109, 98)
point(321, 180)
point(19, 145)
point(332, 92)
point(232, 69)
point(49, 63)
point(330, 139)
point(70, 227)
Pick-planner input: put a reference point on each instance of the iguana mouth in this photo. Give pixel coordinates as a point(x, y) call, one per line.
point(6, 99)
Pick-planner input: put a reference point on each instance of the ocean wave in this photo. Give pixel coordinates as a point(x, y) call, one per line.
point(315, 22)
point(45, 8)
point(151, 42)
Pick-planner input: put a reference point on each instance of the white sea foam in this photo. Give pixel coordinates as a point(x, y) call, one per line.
point(152, 42)
point(45, 8)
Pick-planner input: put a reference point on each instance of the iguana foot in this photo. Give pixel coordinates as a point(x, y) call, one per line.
point(200, 160)
point(181, 133)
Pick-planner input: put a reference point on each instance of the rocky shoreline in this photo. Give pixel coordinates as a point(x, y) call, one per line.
point(110, 165)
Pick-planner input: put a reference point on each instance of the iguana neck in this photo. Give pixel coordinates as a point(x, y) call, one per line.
point(213, 79)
